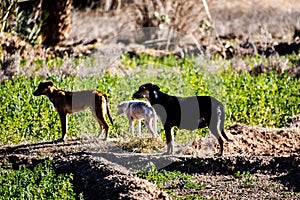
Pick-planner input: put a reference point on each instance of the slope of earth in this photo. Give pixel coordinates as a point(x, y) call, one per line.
point(259, 163)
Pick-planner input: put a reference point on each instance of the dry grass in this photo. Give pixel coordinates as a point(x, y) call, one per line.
point(242, 18)
point(250, 18)
point(140, 144)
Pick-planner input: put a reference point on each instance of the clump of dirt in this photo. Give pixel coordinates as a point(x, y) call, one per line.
point(250, 140)
point(294, 122)
point(263, 141)
point(97, 178)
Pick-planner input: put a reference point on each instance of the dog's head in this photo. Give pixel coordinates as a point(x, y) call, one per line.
point(43, 88)
point(121, 107)
point(148, 91)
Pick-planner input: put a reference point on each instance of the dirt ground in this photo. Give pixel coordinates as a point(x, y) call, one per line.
point(104, 171)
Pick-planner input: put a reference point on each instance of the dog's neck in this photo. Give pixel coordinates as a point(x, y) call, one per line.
point(52, 94)
point(125, 106)
point(155, 98)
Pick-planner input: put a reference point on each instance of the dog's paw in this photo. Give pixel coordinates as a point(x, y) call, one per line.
point(158, 138)
point(62, 140)
point(170, 153)
point(57, 141)
point(218, 155)
point(165, 154)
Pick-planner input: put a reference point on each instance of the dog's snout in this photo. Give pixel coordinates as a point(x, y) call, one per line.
point(35, 93)
point(135, 95)
point(119, 111)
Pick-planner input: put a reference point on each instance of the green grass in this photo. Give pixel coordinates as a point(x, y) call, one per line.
point(169, 179)
point(248, 179)
point(39, 183)
point(190, 197)
point(268, 99)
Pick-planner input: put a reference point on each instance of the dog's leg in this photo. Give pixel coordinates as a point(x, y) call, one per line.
point(214, 130)
point(139, 121)
point(148, 124)
point(221, 123)
point(221, 143)
point(170, 138)
point(154, 119)
point(101, 131)
point(221, 128)
point(104, 125)
point(154, 127)
point(216, 126)
point(64, 125)
point(131, 126)
point(106, 128)
point(99, 122)
point(151, 126)
point(100, 117)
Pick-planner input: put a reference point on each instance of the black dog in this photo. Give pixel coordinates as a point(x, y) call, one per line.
point(186, 113)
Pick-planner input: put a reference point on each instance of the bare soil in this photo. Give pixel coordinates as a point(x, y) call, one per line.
point(104, 171)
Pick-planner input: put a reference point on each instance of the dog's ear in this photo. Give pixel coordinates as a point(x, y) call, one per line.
point(155, 87)
point(50, 83)
point(47, 83)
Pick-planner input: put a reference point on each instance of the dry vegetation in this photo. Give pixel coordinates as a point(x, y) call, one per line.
point(255, 20)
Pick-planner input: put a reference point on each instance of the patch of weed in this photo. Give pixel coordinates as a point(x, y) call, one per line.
point(169, 179)
point(248, 179)
point(39, 183)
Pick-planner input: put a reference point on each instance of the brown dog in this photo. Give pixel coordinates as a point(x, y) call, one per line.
point(69, 102)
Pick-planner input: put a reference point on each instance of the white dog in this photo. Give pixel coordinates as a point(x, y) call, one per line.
point(138, 110)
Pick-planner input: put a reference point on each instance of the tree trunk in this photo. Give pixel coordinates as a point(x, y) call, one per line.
point(57, 25)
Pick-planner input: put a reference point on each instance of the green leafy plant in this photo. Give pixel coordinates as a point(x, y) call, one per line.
point(168, 179)
point(39, 183)
point(247, 178)
point(191, 197)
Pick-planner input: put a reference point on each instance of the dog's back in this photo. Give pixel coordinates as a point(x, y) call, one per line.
point(136, 109)
point(187, 113)
point(199, 111)
point(81, 100)
point(141, 108)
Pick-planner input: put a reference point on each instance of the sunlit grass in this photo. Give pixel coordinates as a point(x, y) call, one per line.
point(267, 99)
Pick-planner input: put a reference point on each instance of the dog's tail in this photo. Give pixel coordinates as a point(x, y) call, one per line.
point(108, 110)
point(221, 127)
point(225, 136)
